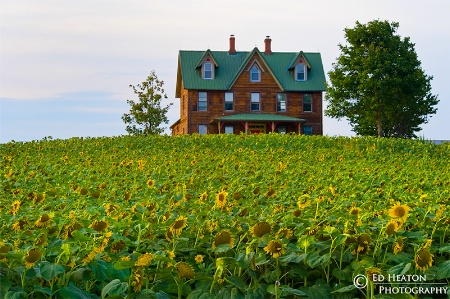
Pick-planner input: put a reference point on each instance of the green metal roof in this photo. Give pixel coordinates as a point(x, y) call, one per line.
point(259, 117)
point(229, 67)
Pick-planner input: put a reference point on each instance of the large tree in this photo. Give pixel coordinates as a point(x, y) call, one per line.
point(377, 83)
point(146, 114)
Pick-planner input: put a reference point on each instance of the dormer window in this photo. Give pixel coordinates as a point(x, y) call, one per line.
point(300, 72)
point(255, 74)
point(207, 71)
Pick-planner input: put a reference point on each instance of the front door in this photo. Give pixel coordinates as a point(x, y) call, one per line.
point(257, 128)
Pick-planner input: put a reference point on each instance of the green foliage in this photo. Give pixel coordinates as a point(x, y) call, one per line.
point(155, 229)
point(146, 114)
point(377, 83)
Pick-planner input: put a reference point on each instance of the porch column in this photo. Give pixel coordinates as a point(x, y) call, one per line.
point(218, 126)
point(246, 127)
point(273, 126)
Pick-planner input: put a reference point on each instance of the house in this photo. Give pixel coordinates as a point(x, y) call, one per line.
point(250, 92)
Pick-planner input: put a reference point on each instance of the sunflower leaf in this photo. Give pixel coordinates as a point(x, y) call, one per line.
point(49, 271)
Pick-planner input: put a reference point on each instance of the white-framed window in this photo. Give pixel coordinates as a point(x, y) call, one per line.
point(202, 101)
point(229, 101)
point(281, 129)
point(255, 74)
point(307, 103)
point(281, 102)
point(300, 72)
point(307, 130)
point(229, 129)
point(255, 101)
point(207, 71)
point(203, 129)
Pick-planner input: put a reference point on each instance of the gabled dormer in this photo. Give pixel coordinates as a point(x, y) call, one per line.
point(255, 71)
point(300, 67)
point(207, 66)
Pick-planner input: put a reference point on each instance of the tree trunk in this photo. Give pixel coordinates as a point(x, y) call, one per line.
point(380, 128)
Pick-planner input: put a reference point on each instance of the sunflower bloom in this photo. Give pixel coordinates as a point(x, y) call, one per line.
point(138, 279)
point(117, 246)
point(33, 255)
point(303, 201)
point(261, 228)
point(44, 220)
point(15, 206)
point(184, 270)
point(354, 211)
point(392, 227)
point(221, 199)
point(144, 260)
point(423, 259)
point(203, 196)
point(284, 233)
point(270, 193)
point(99, 225)
point(274, 248)
point(199, 258)
point(224, 237)
point(398, 246)
point(151, 183)
point(178, 225)
point(399, 211)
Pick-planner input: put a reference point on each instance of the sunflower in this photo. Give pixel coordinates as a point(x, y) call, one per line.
point(178, 225)
point(303, 201)
point(270, 193)
point(363, 244)
point(221, 199)
point(284, 233)
point(392, 227)
point(371, 272)
point(354, 211)
point(398, 246)
point(151, 183)
point(296, 213)
point(199, 258)
point(399, 211)
point(138, 279)
point(18, 225)
point(99, 225)
point(110, 208)
point(184, 270)
point(33, 255)
point(261, 228)
point(117, 246)
point(41, 240)
point(171, 254)
point(223, 237)
point(44, 220)
point(203, 196)
point(274, 248)
point(15, 207)
point(144, 260)
point(39, 198)
point(423, 259)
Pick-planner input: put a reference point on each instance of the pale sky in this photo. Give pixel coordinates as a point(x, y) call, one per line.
point(65, 65)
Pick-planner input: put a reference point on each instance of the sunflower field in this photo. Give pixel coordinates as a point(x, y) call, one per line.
point(221, 216)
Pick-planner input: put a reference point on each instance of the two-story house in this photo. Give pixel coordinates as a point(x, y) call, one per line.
point(251, 92)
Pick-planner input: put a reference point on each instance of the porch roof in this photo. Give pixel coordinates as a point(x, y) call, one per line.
point(261, 117)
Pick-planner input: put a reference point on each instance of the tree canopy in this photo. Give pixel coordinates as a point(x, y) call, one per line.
point(146, 115)
point(377, 83)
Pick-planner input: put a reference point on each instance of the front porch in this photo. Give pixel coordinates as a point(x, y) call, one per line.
point(261, 123)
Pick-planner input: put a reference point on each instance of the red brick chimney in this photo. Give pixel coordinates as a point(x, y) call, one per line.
point(232, 50)
point(268, 46)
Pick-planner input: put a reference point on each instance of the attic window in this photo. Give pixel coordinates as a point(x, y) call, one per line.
point(300, 71)
point(207, 71)
point(255, 74)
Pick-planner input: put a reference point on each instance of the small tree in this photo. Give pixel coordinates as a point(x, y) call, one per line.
point(377, 83)
point(146, 115)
